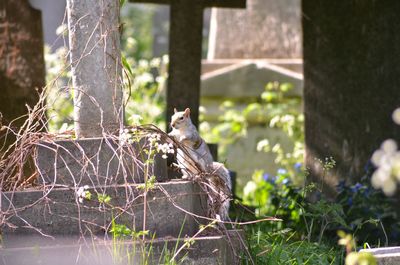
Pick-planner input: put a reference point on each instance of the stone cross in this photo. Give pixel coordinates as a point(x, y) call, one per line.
point(94, 41)
point(186, 25)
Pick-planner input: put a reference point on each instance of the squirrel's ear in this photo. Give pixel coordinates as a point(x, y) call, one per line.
point(187, 112)
point(175, 110)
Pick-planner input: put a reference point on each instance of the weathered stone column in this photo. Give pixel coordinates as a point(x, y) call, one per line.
point(352, 82)
point(96, 70)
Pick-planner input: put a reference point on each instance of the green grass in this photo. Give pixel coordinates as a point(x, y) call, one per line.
point(284, 247)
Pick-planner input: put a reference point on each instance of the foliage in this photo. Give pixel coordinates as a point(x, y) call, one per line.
point(275, 108)
point(59, 93)
point(144, 83)
point(365, 213)
point(273, 195)
point(370, 215)
point(283, 247)
point(137, 35)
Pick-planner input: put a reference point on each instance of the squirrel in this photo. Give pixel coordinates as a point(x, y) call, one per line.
point(186, 133)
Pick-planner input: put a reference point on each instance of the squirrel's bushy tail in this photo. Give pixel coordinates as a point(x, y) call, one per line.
point(225, 189)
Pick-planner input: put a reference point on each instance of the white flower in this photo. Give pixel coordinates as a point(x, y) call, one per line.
point(62, 30)
point(166, 148)
point(396, 116)
point(389, 146)
point(82, 193)
point(250, 188)
point(154, 138)
point(387, 161)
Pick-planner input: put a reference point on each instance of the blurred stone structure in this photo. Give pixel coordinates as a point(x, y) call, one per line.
point(265, 29)
point(22, 69)
point(351, 75)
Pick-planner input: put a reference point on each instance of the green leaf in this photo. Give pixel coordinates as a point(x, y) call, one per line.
point(103, 198)
point(125, 62)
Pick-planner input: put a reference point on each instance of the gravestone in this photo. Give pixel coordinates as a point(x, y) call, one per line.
point(95, 54)
point(22, 69)
point(351, 75)
point(186, 24)
point(265, 29)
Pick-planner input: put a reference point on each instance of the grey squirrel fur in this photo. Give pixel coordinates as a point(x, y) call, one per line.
point(186, 133)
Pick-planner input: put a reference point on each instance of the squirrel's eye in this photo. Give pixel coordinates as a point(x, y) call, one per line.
point(181, 118)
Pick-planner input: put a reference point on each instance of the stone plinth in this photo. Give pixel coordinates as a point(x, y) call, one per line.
point(94, 162)
point(385, 256)
point(59, 212)
point(205, 250)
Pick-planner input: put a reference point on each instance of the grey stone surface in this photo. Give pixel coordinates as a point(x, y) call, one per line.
point(101, 161)
point(265, 29)
point(94, 41)
point(385, 256)
point(295, 65)
point(58, 211)
point(351, 81)
point(205, 250)
point(247, 79)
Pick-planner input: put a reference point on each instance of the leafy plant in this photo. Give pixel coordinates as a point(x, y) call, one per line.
point(275, 108)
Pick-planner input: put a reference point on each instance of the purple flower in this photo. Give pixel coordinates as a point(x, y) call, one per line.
point(350, 201)
point(268, 178)
point(356, 187)
point(297, 166)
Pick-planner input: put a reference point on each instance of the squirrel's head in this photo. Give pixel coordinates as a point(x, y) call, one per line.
point(180, 118)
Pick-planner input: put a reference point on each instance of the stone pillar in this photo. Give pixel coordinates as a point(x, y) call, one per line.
point(352, 81)
point(186, 24)
point(265, 29)
point(94, 41)
point(22, 70)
